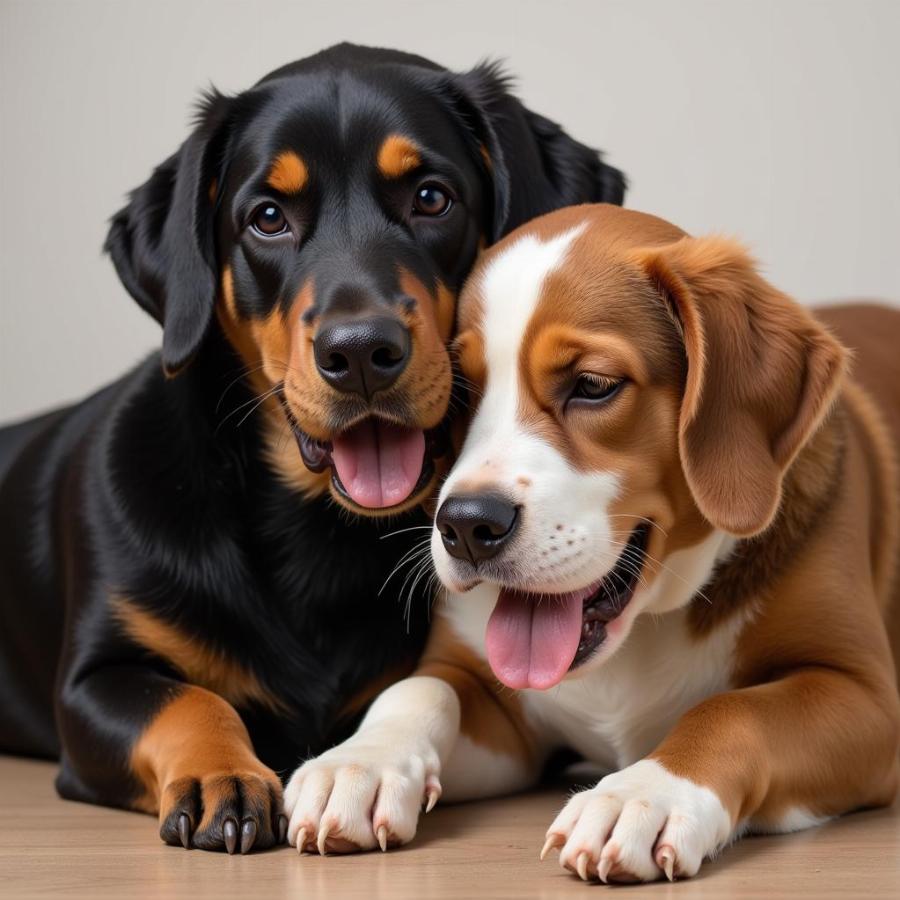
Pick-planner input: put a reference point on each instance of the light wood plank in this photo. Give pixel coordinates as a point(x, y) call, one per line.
point(51, 848)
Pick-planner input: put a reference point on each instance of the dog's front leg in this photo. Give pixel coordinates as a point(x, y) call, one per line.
point(136, 738)
point(773, 757)
point(443, 731)
point(368, 791)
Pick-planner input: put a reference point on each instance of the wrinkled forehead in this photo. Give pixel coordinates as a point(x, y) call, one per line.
point(340, 123)
point(547, 297)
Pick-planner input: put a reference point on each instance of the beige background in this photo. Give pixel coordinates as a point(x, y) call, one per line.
point(778, 122)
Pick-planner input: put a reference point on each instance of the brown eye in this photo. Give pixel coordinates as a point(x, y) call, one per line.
point(596, 388)
point(269, 220)
point(432, 200)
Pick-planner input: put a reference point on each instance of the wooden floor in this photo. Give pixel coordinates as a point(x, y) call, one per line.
point(51, 848)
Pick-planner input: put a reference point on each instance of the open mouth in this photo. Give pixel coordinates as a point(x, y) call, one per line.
point(533, 640)
point(375, 464)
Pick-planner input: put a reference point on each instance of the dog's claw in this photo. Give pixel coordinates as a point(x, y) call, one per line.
point(432, 793)
point(282, 829)
point(230, 834)
point(667, 861)
point(382, 835)
point(603, 869)
point(581, 865)
point(248, 835)
point(184, 830)
point(552, 842)
point(321, 838)
point(301, 840)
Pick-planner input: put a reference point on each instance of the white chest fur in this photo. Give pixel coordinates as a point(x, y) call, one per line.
point(618, 713)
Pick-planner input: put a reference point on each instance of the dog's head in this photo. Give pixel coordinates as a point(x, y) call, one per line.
point(643, 395)
point(325, 220)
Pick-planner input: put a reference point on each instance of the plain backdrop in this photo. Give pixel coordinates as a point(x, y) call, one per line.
point(778, 122)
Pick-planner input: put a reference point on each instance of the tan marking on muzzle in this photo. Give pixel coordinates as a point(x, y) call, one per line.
point(428, 377)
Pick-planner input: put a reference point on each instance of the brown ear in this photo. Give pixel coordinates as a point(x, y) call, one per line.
point(762, 374)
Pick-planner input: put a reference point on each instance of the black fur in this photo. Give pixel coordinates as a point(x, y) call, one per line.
point(149, 491)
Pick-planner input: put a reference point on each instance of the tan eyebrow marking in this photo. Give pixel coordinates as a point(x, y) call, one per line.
point(397, 156)
point(288, 173)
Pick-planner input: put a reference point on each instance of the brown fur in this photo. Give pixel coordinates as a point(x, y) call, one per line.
point(752, 568)
point(737, 414)
point(288, 173)
point(430, 324)
point(197, 662)
point(397, 156)
point(761, 374)
point(873, 333)
point(267, 347)
point(175, 750)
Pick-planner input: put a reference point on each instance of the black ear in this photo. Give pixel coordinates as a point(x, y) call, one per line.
point(162, 242)
point(536, 167)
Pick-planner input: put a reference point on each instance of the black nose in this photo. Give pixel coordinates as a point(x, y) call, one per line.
point(476, 526)
point(362, 356)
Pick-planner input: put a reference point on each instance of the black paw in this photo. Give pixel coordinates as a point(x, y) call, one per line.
point(234, 812)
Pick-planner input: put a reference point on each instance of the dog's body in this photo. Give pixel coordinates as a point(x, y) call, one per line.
point(677, 528)
point(191, 573)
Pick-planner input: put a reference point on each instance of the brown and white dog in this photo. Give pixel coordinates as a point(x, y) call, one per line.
point(674, 523)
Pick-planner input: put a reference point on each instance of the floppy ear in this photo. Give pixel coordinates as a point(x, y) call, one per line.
point(762, 374)
point(162, 242)
point(535, 166)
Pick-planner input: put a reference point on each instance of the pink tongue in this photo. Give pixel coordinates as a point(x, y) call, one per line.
point(530, 640)
point(379, 464)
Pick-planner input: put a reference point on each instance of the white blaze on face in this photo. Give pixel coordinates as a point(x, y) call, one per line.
point(562, 544)
point(563, 541)
point(510, 288)
point(559, 544)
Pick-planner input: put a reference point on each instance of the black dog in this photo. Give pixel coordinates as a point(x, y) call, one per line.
point(190, 560)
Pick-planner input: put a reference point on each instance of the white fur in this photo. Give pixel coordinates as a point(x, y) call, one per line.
point(616, 714)
point(381, 775)
point(564, 539)
point(511, 287)
point(616, 708)
point(473, 772)
point(795, 819)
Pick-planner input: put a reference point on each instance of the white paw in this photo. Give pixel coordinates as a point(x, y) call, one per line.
point(362, 794)
point(638, 825)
